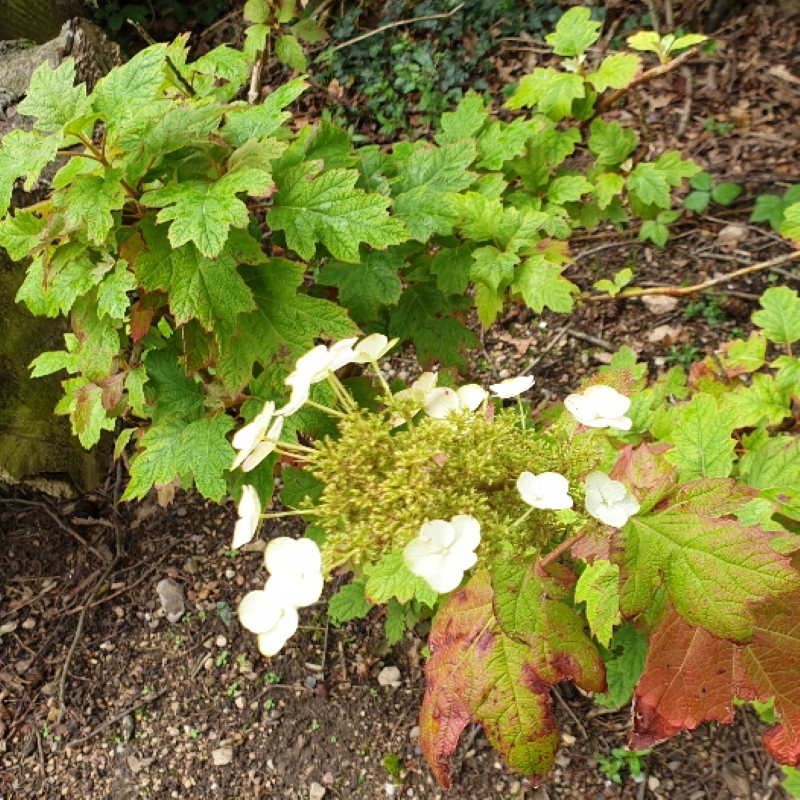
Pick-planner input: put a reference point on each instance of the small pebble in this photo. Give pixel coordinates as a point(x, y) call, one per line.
point(389, 676)
point(170, 594)
point(220, 641)
point(222, 756)
point(316, 791)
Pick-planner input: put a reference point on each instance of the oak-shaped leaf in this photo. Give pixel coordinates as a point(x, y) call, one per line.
point(498, 646)
point(712, 566)
point(692, 676)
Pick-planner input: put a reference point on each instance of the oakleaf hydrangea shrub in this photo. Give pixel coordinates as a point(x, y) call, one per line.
point(197, 243)
point(639, 540)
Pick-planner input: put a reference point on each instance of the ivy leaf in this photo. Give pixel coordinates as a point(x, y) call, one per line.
point(204, 211)
point(615, 72)
point(701, 433)
point(327, 208)
point(779, 315)
point(426, 180)
point(197, 452)
point(366, 287)
point(468, 118)
point(598, 587)
point(23, 153)
point(541, 285)
point(283, 320)
point(624, 665)
point(52, 97)
point(21, 234)
point(391, 578)
point(575, 32)
point(89, 200)
point(348, 603)
point(209, 290)
point(424, 316)
point(712, 566)
point(553, 92)
point(479, 673)
point(610, 142)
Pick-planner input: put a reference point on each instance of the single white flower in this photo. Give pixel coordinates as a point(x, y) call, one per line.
point(442, 401)
point(265, 613)
point(296, 566)
point(372, 348)
point(313, 367)
point(256, 440)
point(512, 387)
point(548, 490)
point(600, 406)
point(609, 500)
point(249, 516)
point(443, 551)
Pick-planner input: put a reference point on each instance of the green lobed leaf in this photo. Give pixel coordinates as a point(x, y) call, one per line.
point(112, 292)
point(615, 72)
point(21, 234)
point(465, 121)
point(779, 316)
point(493, 267)
point(575, 32)
point(23, 154)
point(701, 433)
point(568, 189)
point(52, 97)
point(88, 201)
point(712, 566)
point(726, 193)
point(204, 211)
point(328, 209)
point(542, 286)
point(254, 121)
point(367, 287)
point(348, 603)
point(425, 316)
point(289, 51)
point(598, 587)
point(391, 578)
point(610, 142)
point(552, 92)
point(763, 400)
point(790, 225)
point(197, 452)
point(624, 665)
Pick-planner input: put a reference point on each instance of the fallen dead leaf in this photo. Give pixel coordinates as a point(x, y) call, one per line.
point(659, 303)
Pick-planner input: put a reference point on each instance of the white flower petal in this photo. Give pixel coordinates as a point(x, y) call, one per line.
point(258, 611)
point(441, 402)
point(608, 500)
point(372, 348)
point(247, 437)
point(512, 387)
point(447, 579)
point(471, 396)
point(301, 389)
point(425, 382)
point(312, 366)
point(600, 406)
point(467, 529)
point(439, 532)
point(249, 510)
point(341, 353)
point(270, 642)
point(548, 490)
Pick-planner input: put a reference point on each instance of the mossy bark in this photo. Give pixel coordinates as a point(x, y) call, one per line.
point(34, 443)
point(36, 20)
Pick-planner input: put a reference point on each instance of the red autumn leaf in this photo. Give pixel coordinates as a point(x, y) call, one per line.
point(496, 653)
point(772, 662)
point(646, 473)
point(692, 676)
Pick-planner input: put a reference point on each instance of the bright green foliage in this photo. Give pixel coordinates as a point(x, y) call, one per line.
point(624, 664)
point(348, 603)
point(156, 235)
point(390, 578)
point(791, 781)
point(598, 587)
point(779, 315)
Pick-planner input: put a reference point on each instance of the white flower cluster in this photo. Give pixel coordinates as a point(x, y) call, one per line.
point(443, 550)
point(295, 568)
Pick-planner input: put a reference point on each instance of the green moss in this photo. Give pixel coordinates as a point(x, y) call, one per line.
point(382, 484)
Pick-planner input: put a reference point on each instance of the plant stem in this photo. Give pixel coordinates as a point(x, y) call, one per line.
point(647, 75)
point(555, 553)
point(326, 409)
point(386, 388)
point(100, 156)
point(680, 291)
point(295, 512)
point(522, 519)
point(341, 393)
point(521, 408)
